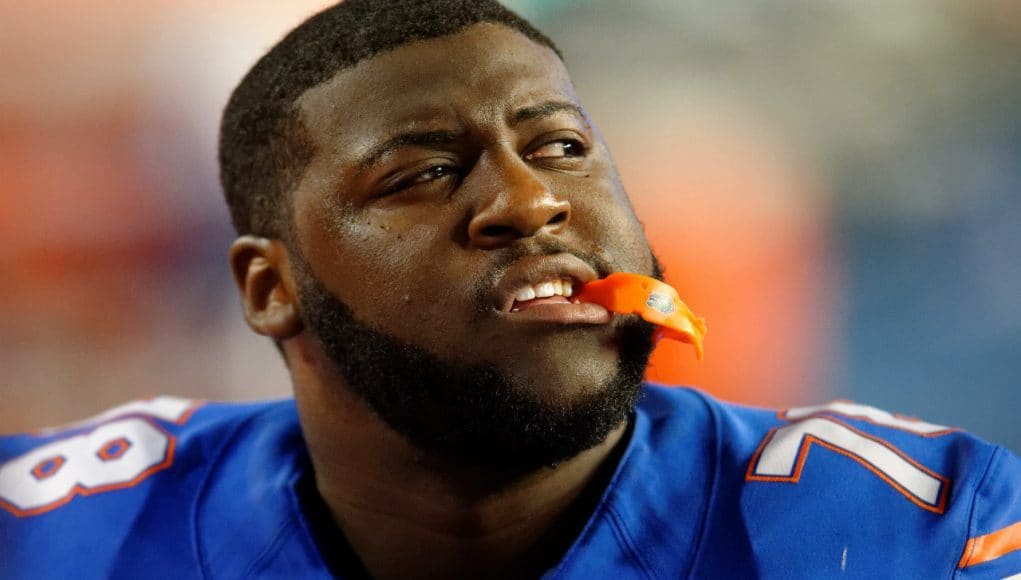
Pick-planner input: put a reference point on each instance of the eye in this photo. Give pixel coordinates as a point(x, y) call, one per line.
point(428, 175)
point(431, 174)
point(559, 149)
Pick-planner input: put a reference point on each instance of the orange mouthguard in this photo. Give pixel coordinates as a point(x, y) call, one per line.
point(651, 299)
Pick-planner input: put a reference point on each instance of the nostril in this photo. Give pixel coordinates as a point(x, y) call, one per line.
point(497, 231)
point(559, 218)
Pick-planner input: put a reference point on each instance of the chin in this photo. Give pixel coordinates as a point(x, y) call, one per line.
point(560, 377)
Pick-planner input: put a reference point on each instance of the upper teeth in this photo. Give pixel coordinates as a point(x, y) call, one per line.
point(546, 289)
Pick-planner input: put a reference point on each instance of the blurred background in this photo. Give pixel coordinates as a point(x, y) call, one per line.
point(834, 184)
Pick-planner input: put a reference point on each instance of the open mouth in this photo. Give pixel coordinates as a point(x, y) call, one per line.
point(540, 289)
point(557, 291)
point(550, 301)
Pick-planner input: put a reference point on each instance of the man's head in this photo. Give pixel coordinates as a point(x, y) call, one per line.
point(263, 145)
point(411, 170)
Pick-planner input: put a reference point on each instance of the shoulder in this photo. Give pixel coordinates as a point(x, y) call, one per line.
point(777, 445)
point(125, 477)
point(852, 485)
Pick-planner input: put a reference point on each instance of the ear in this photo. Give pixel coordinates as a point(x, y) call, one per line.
point(262, 272)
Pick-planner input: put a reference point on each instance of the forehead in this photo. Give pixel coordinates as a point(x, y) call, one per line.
point(479, 74)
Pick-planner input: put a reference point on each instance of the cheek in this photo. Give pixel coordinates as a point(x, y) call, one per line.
point(606, 224)
point(398, 277)
point(384, 263)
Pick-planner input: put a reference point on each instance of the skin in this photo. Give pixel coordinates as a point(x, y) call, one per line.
point(413, 240)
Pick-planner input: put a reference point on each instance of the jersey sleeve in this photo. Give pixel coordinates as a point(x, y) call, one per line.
point(75, 499)
point(846, 488)
point(152, 488)
point(993, 547)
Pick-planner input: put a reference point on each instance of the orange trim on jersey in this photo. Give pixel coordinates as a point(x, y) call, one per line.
point(195, 404)
point(121, 443)
point(79, 489)
point(806, 444)
point(982, 549)
point(40, 473)
point(782, 414)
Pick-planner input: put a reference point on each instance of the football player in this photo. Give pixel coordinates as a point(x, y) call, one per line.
point(420, 197)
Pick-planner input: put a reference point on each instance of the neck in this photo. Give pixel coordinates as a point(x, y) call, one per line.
point(408, 514)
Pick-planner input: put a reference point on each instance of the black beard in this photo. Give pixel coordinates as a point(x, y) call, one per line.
point(470, 414)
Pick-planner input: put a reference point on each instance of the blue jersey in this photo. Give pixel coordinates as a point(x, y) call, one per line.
point(170, 488)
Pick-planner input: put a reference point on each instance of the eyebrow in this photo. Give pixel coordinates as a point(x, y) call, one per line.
point(436, 139)
point(415, 138)
point(546, 109)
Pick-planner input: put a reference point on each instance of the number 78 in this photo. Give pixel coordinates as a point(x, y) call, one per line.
point(782, 454)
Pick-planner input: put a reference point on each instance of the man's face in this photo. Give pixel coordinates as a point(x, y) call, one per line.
point(450, 176)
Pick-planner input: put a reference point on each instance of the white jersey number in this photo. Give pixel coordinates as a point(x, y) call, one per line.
point(783, 452)
point(123, 448)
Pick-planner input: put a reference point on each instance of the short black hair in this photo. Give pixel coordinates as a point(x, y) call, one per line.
point(264, 147)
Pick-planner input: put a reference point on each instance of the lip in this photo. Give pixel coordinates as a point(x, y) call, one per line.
point(535, 269)
point(563, 313)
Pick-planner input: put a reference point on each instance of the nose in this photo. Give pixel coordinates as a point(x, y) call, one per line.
point(514, 204)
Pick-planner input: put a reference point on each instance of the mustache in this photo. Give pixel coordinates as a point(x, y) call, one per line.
point(547, 247)
point(596, 259)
